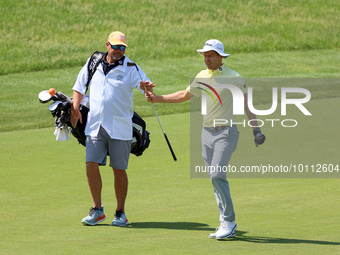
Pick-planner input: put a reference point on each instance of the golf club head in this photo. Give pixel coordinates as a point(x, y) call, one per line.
point(131, 64)
point(135, 65)
point(44, 96)
point(54, 106)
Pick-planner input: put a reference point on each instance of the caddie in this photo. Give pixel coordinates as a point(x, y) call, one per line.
point(218, 141)
point(109, 124)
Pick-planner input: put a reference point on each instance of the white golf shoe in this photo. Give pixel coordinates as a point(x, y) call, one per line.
point(226, 230)
point(213, 235)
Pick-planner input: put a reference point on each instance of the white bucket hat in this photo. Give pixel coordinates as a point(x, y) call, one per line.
point(215, 45)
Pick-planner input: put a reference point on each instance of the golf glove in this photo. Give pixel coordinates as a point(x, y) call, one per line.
point(258, 137)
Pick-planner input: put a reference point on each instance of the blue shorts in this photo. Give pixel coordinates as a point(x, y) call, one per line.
point(98, 147)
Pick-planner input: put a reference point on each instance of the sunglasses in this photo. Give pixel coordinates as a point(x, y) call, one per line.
point(116, 47)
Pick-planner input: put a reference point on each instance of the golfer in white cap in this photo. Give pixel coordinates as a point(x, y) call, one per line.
point(218, 142)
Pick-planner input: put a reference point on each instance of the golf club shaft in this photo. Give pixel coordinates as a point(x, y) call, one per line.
point(159, 121)
point(165, 136)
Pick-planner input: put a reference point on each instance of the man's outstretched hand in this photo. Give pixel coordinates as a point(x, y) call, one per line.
point(147, 86)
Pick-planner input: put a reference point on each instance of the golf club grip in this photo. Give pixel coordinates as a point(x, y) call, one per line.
point(172, 152)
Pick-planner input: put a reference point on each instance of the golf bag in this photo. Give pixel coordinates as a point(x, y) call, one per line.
point(141, 138)
point(61, 110)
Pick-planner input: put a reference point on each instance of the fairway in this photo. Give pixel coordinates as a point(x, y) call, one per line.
point(43, 187)
point(45, 195)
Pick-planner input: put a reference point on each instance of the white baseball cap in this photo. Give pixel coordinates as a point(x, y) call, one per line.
point(215, 45)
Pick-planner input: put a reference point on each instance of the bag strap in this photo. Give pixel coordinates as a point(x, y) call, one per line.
point(94, 62)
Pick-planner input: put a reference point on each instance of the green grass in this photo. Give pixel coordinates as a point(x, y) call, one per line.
point(43, 186)
point(44, 195)
point(44, 34)
point(22, 110)
point(45, 43)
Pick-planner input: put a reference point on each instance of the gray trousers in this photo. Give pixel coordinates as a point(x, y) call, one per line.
point(217, 148)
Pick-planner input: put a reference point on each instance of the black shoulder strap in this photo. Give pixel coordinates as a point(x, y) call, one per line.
point(95, 60)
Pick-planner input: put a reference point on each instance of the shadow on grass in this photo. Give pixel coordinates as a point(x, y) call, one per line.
point(166, 225)
point(173, 225)
point(240, 235)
